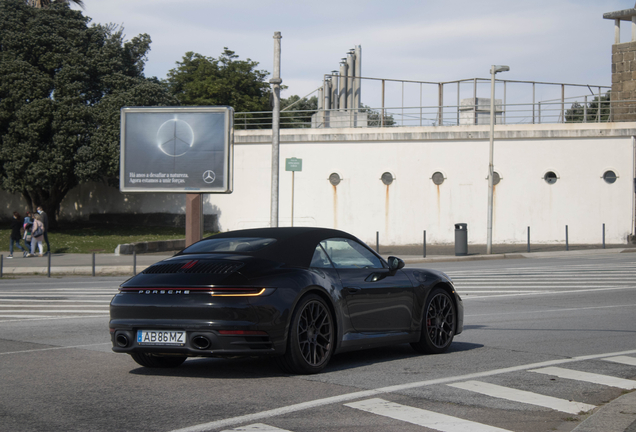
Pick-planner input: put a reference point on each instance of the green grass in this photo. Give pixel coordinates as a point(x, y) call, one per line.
point(98, 238)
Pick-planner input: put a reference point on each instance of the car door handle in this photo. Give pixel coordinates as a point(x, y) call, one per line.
point(353, 290)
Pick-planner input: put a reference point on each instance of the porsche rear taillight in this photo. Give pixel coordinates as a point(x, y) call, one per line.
point(214, 291)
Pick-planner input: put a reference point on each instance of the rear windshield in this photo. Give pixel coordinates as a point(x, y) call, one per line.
point(230, 244)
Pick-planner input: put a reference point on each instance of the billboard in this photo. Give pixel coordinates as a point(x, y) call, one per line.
point(176, 149)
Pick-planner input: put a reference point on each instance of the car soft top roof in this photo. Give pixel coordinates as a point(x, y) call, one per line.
point(294, 246)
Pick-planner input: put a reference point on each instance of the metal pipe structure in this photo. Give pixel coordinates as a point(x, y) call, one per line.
point(275, 82)
point(440, 103)
point(494, 69)
point(382, 117)
point(321, 97)
point(343, 85)
point(335, 78)
point(351, 68)
point(357, 88)
point(327, 93)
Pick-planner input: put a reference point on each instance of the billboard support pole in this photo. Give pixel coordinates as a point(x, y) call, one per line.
point(275, 82)
point(194, 218)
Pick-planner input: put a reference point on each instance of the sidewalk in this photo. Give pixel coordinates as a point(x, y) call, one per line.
point(78, 264)
point(112, 264)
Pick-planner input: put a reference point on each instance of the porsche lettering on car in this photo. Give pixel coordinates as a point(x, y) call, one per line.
point(300, 295)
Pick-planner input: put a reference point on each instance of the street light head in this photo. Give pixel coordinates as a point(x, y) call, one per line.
point(499, 68)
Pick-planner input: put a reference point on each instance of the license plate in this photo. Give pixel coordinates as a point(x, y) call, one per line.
point(161, 337)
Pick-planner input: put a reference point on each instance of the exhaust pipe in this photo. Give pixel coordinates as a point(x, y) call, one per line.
point(201, 342)
point(122, 340)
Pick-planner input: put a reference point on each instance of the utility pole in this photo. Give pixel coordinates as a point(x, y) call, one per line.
point(491, 168)
point(275, 82)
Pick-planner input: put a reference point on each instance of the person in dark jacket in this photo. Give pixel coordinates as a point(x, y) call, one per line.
point(28, 223)
point(16, 226)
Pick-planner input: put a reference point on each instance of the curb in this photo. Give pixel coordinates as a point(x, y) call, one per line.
point(68, 270)
point(617, 416)
point(515, 255)
point(449, 258)
point(150, 247)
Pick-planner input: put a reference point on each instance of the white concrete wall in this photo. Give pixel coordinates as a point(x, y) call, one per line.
point(362, 204)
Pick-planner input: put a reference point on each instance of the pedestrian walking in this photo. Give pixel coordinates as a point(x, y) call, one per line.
point(45, 221)
point(37, 235)
point(16, 235)
point(28, 224)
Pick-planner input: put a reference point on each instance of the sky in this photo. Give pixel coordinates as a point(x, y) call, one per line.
point(562, 41)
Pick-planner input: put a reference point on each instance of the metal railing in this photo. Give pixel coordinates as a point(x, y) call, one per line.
point(417, 103)
point(548, 112)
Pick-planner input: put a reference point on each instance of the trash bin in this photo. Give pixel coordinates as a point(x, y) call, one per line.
point(461, 239)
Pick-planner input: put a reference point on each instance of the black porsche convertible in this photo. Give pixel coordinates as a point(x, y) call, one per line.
point(298, 294)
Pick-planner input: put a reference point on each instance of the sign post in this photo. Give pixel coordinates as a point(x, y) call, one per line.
point(178, 150)
point(293, 165)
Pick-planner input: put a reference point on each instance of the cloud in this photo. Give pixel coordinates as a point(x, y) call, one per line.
point(543, 40)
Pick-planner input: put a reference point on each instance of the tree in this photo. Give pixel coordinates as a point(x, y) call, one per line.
point(45, 3)
point(374, 118)
point(577, 111)
point(198, 80)
point(297, 112)
point(62, 85)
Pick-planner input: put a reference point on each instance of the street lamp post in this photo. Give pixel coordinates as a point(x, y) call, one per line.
point(275, 82)
point(491, 169)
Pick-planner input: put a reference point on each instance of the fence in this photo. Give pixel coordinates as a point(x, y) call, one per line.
point(397, 103)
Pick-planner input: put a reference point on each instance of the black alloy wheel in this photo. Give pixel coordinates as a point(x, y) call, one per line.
point(311, 337)
point(438, 326)
point(158, 361)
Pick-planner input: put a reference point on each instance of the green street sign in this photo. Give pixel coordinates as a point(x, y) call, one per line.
point(293, 164)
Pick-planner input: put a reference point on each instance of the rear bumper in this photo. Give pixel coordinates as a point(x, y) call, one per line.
point(199, 342)
point(203, 319)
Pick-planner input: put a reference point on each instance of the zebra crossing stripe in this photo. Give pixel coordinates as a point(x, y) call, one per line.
point(524, 397)
point(631, 361)
point(420, 417)
point(587, 377)
point(259, 427)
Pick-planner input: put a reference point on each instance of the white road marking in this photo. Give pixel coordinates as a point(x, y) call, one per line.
point(47, 318)
point(29, 305)
point(524, 396)
point(533, 312)
point(542, 293)
point(54, 348)
point(259, 427)
point(631, 361)
point(28, 301)
point(420, 417)
point(25, 295)
point(58, 311)
point(248, 418)
point(587, 377)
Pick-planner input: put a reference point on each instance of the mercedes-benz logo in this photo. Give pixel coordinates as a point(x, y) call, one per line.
point(175, 137)
point(209, 176)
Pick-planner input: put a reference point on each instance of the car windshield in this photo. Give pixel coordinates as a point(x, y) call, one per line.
point(230, 244)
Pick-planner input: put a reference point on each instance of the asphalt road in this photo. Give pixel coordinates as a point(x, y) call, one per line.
point(534, 328)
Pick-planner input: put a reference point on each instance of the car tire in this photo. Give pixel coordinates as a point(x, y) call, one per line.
point(158, 361)
point(310, 343)
point(438, 324)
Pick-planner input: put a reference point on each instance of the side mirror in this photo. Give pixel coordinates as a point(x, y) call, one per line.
point(395, 264)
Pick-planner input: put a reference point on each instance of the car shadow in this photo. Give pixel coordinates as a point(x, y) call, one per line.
point(254, 367)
